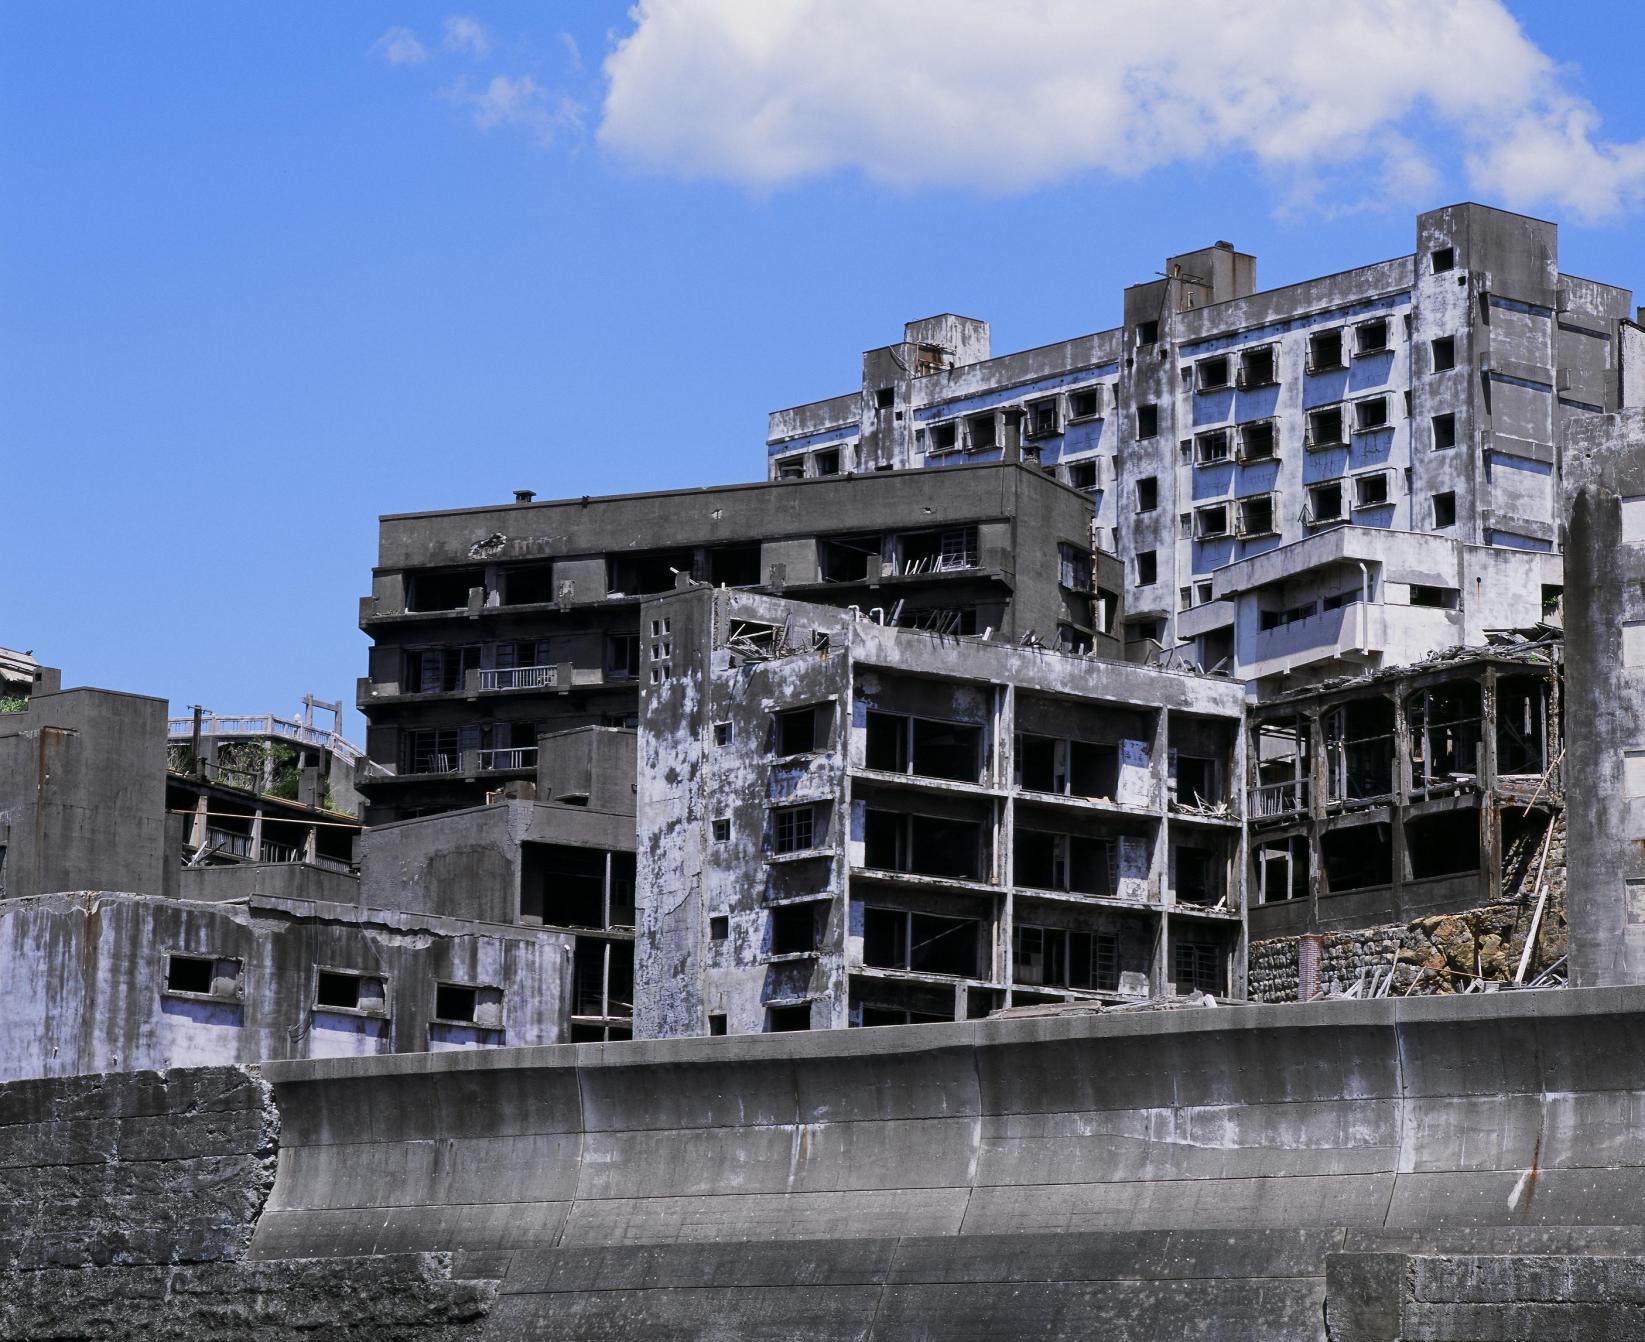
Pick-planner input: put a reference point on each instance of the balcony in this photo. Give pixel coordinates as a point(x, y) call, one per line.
point(519, 678)
point(1272, 800)
point(501, 761)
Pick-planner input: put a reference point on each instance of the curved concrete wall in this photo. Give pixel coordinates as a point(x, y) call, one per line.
point(1399, 1116)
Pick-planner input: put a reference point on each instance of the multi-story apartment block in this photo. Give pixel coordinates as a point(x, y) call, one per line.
point(1330, 477)
point(492, 625)
point(846, 823)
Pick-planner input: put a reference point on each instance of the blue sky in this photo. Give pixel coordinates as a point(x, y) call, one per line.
point(266, 273)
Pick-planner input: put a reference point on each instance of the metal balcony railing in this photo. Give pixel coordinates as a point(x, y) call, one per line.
point(521, 757)
point(519, 678)
point(1287, 798)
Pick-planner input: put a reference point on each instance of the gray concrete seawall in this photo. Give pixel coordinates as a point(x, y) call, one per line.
point(1399, 1116)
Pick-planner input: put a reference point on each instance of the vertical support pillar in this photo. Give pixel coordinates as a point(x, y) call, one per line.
point(1310, 951)
point(1160, 859)
point(1490, 814)
point(197, 831)
point(1005, 755)
point(1316, 814)
point(257, 835)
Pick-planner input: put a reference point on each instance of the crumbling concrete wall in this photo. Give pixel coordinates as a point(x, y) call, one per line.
point(127, 1203)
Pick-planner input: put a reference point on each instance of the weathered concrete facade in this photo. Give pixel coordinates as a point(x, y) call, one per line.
point(843, 823)
point(1605, 676)
point(1225, 434)
point(492, 625)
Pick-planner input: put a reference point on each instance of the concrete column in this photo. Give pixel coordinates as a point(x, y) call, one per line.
point(257, 835)
point(197, 831)
point(1159, 876)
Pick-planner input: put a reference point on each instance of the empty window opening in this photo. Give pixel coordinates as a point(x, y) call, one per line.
point(1257, 441)
point(622, 661)
point(1043, 419)
point(1256, 367)
point(1197, 875)
point(1213, 447)
point(734, 566)
point(788, 1019)
point(1357, 858)
point(885, 397)
point(1056, 957)
point(465, 1004)
point(1197, 967)
point(793, 829)
point(1212, 373)
point(716, 1022)
point(982, 433)
point(1148, 421)
point(1371, 414)
point(1325, 427)
point(643, 574)
point(1445, 509)
point(943, 437)
point(719, 927)
point(1065, 767)
point(1148, 333)
point(1443, 845)
point(1082, 475)
point(1084, 404)
point(722, 830)
point(1196, 781)
point(920, 942)
point(1257, 516)
point(1371, 337)
point(1282, 871)
point(1371, 491)
point(1147, 494)
point(923, 845)
point(791, 468)
point(1522, 725)
point(1444, 729)
point(1147, 568)
point(1444, 354)
point(527, 586)
point(203, 975)
point(1324, 351)
point(348, 992)
point(1138, 631)
point(797, 731)
point(849, 558)
point(602, 978)
point(827, 463)
point(722, 733)
point(794, 929)
point(1359, 750)
point(1445, 598)
point(1211, 521)
point(1445, 431)
point(1442, 259)
point(1045, 860)
point(442, 591)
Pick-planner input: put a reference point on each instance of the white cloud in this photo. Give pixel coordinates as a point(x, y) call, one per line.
point(521, 103)
point(573, 53)
point(1011, 97)
point(467, 35)
point(400, 46)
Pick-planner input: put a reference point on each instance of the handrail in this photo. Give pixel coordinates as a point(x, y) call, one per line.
point(264, 724)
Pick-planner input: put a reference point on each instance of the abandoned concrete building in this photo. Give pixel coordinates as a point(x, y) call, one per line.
point(491, 626)
point(151, 918)
point(1411, 791)
point(848, 823)
point(1335, 476)
point(295, 757)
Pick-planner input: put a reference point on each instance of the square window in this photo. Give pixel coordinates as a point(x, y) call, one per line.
point(1256, 515)
point(796, 731)
point(786, 1019)
point(1042, 419)
point(794, 929)
point(827, 463)
point(1445, 509)
point(1203, 592)
point(716, 1022)
point(981, 433)
point(1445, 431)
point(719, 927)
point(1371, 337)
point(1442, 259)
point(1147, 333)
point(1324, 351)
point(1148, 420)
point(791, 829)
point(721, 829)
point(1325, 427)
point(944, 437)
point(1256, 367)
point(1211, 522)
point(1212, 374)
point(1256, 441)
point(1082, 404)
point(1212, 448)
point(791, 468)
point(1371, 414)
point(1371, 491)
point(1147, 494)
point(1325, 502)
point(468, 1004)
point(1444, 354)
point(722, 733)
point(1082, 475)
point(1147, 568)
point(884, 397)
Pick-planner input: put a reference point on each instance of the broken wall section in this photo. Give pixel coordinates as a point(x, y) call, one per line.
point(1439, 954)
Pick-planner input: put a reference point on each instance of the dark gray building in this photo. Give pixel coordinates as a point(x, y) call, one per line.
point(491, 626)
point(1605, 688)
point(1335, 476)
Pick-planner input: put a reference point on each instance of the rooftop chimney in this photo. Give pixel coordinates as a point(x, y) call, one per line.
point(524, 495)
